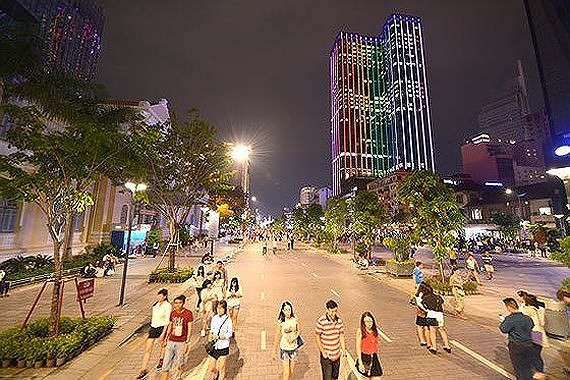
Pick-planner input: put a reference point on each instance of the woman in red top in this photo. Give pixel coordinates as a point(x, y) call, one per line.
point(367, 347)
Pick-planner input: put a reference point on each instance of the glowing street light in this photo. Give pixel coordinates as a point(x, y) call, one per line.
point(254, 199)
point(241, 153)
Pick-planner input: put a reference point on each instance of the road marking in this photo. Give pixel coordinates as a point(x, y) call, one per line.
point(384, 336)
point(106, 375)
point(263, 340)
point(335, 293)
point(487, 362)
point(314, 274)
point(262, 295)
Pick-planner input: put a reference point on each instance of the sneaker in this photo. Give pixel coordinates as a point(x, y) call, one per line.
point(142, 375)
point(203, 333)
point(447, 349)
point(159, 365)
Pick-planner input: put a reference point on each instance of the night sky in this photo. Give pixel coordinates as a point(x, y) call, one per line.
point(259, 71)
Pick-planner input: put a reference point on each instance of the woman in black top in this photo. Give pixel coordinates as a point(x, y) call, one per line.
point(434, 304)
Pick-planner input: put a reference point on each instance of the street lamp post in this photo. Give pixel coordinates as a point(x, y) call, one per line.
point(133, 187)
point(519, 196)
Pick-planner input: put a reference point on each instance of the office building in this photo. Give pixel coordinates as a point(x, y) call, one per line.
point(380, 111)
point(309, 195)
point(488, 161)
point(69, 30)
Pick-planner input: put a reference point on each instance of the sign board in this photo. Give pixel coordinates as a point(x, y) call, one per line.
point(85, 289)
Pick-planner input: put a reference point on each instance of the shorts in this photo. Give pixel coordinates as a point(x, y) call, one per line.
point(154, 332)
point(421, 321)
point(372, 365)
point(288, 354)
point(489, 268)
point(234, 307)
point(431, 322)
point(219, 353)
point(173, 355)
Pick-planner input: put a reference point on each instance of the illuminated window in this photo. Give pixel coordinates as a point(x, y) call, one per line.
point(476, 214)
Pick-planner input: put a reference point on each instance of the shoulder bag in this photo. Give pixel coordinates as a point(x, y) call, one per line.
point(211, 344)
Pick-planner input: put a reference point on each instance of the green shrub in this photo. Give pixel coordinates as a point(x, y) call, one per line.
point(34, 344)
point(561, 256)
point(163, 275)
point(566, 284)
point(436, 284)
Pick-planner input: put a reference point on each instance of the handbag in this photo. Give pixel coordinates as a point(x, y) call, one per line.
point(210, 345)
point(536, 337)
point(300, 342)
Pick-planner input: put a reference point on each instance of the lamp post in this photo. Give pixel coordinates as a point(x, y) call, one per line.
point(133, 187)
point(509, 191)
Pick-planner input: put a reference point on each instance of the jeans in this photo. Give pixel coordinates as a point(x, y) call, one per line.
point(522, 356)
point(329, 368)
point(537, 363)
point(173, 355)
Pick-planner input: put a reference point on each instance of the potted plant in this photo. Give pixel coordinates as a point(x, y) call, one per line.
point(400, 265)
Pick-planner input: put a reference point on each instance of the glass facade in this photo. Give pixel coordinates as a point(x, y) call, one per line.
point(380, 115)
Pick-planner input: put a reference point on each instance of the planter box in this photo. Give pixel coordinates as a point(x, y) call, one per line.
point(21, 363)
point(39, 364)
point(399, 269)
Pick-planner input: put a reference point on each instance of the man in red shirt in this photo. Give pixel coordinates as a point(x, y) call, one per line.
point(178, 335)
point(329, 335)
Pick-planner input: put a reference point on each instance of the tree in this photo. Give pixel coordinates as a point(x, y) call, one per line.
point(366, 214)
point(186, 163)
point(435, 212)
point(509, 225)
point(309, 222)
point(335, 220)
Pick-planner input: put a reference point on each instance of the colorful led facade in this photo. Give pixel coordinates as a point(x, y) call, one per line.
point(380, 114)
point(70, 30)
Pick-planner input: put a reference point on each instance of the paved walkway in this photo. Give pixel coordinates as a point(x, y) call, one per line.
point(135, 313)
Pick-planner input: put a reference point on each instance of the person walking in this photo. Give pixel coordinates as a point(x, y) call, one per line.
point(456, 283)
point(286, 343)
point(160, 318)
point(264, 247)
point(422, 326)
point(532, 309)
point(488, 264)
point(367, 363)
point(329, 336)
point(418, 274)
point(518, 327)
point(218, 285)
point(221, 332)
point(434, 305)
point(4, 284)
point(472, 268)
point(209, 299)
point(233, 299)
point(453, 258)
point(199, 278)
point(178, 336)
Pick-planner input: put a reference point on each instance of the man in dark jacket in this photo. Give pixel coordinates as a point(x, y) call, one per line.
point(518, 326)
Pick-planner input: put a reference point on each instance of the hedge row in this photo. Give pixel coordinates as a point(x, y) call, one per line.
point(436, 284)
point(163, 275)
point(33, 346)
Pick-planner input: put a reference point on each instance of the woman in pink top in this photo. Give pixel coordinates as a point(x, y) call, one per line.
point(367, 363)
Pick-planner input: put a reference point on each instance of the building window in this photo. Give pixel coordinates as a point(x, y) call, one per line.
point(8, 211)
point(476, 214)
point(124, 214)
point(78, 222)
point(544, 211)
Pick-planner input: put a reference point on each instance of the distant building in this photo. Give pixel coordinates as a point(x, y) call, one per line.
point(488, 161)
point(380, 111)
point(309, 195)
point(324, 194)
point(70, 30)
point(505, 117)
point(386, 188)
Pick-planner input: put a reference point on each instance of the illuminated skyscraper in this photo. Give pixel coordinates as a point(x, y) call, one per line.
point(70, 30)
point(380, 113)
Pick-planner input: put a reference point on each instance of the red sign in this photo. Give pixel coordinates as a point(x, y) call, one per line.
point(85, 289)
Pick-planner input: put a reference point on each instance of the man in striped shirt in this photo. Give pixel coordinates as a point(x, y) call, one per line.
point(329, 335)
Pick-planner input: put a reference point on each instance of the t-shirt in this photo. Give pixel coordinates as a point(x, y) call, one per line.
point(487, 259)
point(222, 326)
point(233, 301)
point(160, 314)
point(179, 328)
point(418, 275)
point(330, 331)
point(289, 334)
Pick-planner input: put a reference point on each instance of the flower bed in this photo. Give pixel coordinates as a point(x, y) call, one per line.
point(163, 275)
point(32, 347)
point(445, 288)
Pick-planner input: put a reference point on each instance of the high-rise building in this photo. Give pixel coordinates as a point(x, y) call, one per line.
point(488, 161)
point(69, 30)
point(505, 117)
point(380, 112)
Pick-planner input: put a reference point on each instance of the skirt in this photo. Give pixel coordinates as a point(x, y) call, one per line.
point(371, 365)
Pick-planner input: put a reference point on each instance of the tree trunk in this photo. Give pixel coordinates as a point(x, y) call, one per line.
point(172, 243)
point(55, 297)
point(68, 236)
point(441, 271)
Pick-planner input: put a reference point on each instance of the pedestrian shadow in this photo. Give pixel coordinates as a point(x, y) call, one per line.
point(235, 362)
point(302, 364)
point(194, 357)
